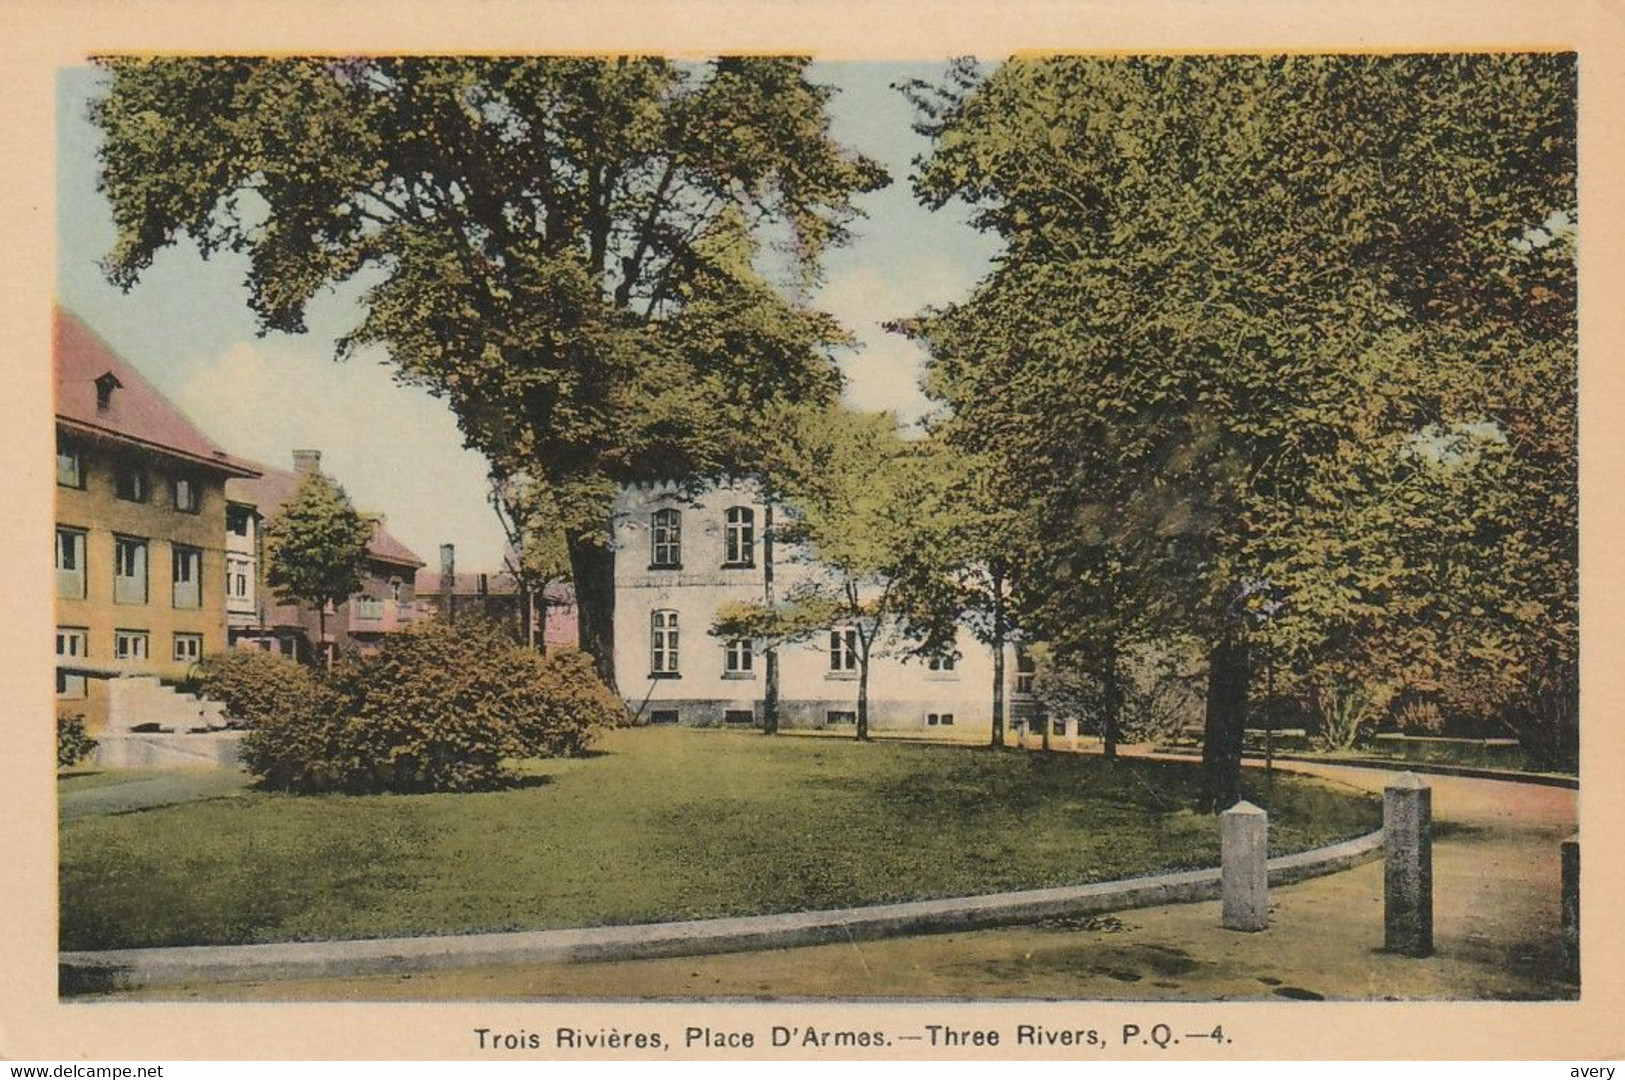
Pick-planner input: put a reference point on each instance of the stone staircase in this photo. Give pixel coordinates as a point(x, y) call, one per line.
point(140, 700)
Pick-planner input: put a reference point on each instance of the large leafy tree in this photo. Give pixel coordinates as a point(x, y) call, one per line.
point(565, 249)
point(316, 548)
point(1236, 288)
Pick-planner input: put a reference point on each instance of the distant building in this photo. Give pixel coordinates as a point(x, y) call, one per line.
point(386, 601)
point(496, 597)
point(679, 556)
point(141, 561)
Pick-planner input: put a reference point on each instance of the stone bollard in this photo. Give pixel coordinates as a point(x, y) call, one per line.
point(1243, 867)
point(1571, 908)
point(1407, 894)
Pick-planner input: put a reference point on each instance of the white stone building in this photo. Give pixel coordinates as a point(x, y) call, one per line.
point(679, 555)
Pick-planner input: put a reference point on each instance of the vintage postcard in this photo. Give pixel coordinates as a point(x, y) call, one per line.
point(741, 530)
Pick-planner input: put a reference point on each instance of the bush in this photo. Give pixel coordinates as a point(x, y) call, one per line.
point(72, 744)
point(1347, 714)
point(440, 708)
point(256, 686)
point(1419, 718)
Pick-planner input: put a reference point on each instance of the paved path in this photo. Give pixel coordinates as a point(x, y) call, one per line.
point(148, 790)
point(1496, 934)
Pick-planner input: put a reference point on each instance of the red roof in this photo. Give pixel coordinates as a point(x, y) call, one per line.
point(385, 547)
point(272, 487)
point(136, 411)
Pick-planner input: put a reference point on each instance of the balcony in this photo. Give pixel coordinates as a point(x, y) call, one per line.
point(368, 616)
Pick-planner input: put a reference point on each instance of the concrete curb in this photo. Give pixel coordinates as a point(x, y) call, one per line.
point(1469, 772)
point(122, 969)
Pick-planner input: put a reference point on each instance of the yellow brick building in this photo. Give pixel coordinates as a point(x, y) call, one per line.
point(140, 528)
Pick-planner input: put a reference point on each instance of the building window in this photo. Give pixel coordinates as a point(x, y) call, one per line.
point(941, 664)
point(130, 644)
point(663, 643)
point(368, 610)
point(187, 496)
point(72, 643)
point(129, 570)
point(739, 546)
point(130, 483)
point(843, 650)
point(663, 716)
point(1026, 669)
point(1060, 727)
point(395, 589)
point(187, 575)
point(237, 579)
point(738, 716)
point(839, 717)
point(939, 719)
point(70, 564)
point(237, 520)
point(737, 657)
point(188, 648)
point(666, 528)
point(70, 465)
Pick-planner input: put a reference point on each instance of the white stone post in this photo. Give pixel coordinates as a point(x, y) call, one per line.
point(1243, 867)
point(1407, 894)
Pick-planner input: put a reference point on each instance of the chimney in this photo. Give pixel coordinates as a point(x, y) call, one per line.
point(448, 579)
point(306, 462)
point(106, 383)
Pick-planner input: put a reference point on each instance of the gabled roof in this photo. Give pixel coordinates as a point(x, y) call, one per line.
point(386, 548)
point(136, 412)
point(270, 488)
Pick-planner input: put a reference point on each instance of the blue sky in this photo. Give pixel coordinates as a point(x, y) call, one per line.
point(186, 325)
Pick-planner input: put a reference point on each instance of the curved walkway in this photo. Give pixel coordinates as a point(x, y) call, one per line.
point(1496, 920)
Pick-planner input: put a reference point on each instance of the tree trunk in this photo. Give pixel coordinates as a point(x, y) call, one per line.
point(538, 619)
point(770, 655)
point(1225, 723)
point(1112, 703)
point(592, 565)
point(321, 635)
point(863, 697)
point(998, 661)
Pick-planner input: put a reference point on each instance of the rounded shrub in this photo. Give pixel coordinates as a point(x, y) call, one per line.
point(254, 685)
point(442, 707)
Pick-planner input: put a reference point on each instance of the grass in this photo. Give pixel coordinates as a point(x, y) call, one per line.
point(665, 824)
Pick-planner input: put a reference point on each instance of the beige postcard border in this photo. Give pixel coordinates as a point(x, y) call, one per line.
point(39, 36)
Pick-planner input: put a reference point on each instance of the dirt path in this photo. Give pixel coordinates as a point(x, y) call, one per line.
point(1496, 935)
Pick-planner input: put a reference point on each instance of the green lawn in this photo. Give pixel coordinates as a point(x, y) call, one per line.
point(665, 824)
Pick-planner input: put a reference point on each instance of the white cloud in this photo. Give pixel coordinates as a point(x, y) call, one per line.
point(395, 449)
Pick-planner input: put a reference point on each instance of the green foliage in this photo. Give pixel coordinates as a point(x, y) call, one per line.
point(1301, 319)
point(852, 488)
point(559, 247)
point(440, 708)
point(1157, 692)
point(73, 745)
point(316, 544)
point(257, 686)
